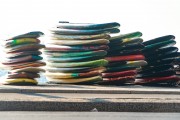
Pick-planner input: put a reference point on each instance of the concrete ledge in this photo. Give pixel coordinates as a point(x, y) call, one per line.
point(88, 102)
point(87, 106)
point(38, 115)
point(86, 98)
point(131, 89)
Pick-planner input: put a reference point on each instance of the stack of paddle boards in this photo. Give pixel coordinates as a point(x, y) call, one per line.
point(124, 57)
point(75, 53)
point(22, 58)
point(160, 54)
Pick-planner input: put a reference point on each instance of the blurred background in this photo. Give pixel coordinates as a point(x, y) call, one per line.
point(153, 18)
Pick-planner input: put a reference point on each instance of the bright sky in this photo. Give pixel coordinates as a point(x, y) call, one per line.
point(153, 18)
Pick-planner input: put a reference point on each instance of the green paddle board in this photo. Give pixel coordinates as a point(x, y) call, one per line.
point(80, 37)
point(88, 26)
point(94, 63)
point(75, 80)
point(76, 54)
point(20, 81)
point(33, 34)
point(79, 42)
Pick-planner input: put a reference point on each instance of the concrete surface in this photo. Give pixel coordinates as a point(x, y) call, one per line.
point(87, 116)
point(131, 89)
point(86, 98)
point(87, 102)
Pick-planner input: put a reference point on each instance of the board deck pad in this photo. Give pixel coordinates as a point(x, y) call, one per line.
point(161, 51)
point(23, 59)
point(163, 56)
point(20, 54)
point(73, 59)
point(21, 81)
point(94, 63)
point(75, 52)
point(20, 41)
point(126, 41)
point(63, 48)
point(25, 64)
point(160, 54)
point(28, 58)
point(157, 80)
point(163, 44)
point(126, 47)
point(125, 52)
point(117, 81)
point(87, 26)
point(159, 39)
point(33, 34)
point(73, 75)
point(125, 58)
point(24, 47)
point(74, 69)
point(155, 68)
point(125, 36)
point(23, 75)
point(62, 31)
point(80, 37)
point(119, 74)
point(79, 42)
point(161, 73)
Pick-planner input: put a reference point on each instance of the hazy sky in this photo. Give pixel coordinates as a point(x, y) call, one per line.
point(153, 18)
